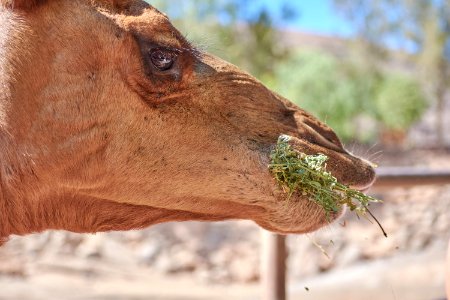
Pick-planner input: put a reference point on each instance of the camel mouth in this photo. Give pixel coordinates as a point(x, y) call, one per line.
point(353, 171)
point(306, 175)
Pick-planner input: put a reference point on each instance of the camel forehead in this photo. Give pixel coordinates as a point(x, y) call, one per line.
point(135, 16)
point(143, 20)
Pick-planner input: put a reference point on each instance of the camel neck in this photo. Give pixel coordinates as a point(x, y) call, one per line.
point(5, 215)
point(20, 215)
point(15, 213)
point(3, 222)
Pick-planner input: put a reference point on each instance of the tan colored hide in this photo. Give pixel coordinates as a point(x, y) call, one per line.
point(111, 120)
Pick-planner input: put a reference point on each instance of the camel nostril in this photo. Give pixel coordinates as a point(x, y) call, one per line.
point(324, 135)
point(323, 141)
point(330, 136)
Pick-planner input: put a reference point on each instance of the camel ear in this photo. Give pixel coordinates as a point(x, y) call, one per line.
point(20, 4)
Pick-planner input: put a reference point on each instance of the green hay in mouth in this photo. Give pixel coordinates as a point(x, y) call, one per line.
point(297, 172)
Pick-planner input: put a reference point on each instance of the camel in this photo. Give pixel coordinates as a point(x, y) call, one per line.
point(111, 120)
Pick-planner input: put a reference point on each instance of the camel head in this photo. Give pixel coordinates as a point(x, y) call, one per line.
point(111, 120)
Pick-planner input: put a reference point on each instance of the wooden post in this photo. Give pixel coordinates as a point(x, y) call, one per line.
point(273, 256)
point(389, 177)
point(273, 266)
point(447, 276)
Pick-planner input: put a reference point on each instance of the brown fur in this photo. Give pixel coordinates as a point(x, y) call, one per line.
point(20, 4)
point(92, 139)
point(30, 4)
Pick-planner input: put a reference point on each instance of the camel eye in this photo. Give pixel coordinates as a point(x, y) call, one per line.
point(163, 59)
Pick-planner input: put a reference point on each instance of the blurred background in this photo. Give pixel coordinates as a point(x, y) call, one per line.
point(378, 73)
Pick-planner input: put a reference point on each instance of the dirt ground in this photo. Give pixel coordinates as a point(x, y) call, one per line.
point(413, 277)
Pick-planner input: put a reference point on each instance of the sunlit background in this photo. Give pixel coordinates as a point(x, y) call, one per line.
point(375, 71)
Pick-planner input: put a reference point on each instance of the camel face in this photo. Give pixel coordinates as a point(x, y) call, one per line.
point(111, 116)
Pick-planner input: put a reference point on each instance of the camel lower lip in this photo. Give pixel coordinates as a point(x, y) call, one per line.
point(362, 188)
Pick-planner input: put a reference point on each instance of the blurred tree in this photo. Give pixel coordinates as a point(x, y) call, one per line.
point(357, 104)
point(399, 103)
point(421, 27)
point(336, 91)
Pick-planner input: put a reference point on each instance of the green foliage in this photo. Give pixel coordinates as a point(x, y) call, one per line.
point(341, 93)
point(297, 172)
point(336, 92)
point(400, 102)
point(421, 28)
